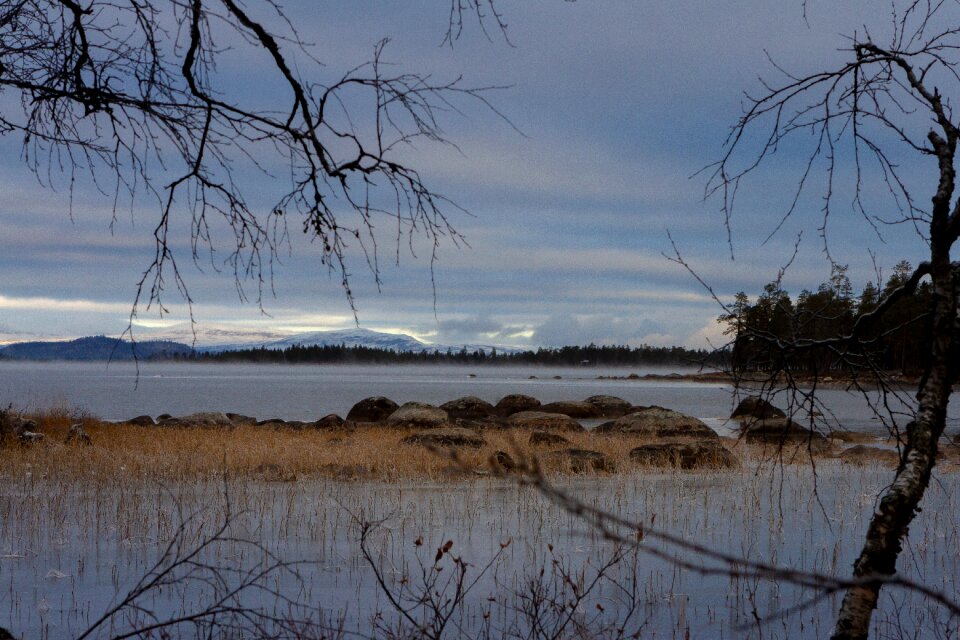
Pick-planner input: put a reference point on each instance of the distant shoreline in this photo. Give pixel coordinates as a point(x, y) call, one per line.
point(756, 380)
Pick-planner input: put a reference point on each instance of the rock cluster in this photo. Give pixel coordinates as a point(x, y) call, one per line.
point(755, 407)
point(667, 438)
point(782, 432)
point(657, 422)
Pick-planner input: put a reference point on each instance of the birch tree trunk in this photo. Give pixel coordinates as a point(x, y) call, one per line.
point(900, 502)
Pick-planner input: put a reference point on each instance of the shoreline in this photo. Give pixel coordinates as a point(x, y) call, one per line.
point(759, 381)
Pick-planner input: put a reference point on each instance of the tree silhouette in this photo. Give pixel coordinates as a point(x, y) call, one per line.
point(885, 102)
point(135, 97)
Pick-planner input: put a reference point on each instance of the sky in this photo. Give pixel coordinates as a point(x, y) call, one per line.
point(571, 209)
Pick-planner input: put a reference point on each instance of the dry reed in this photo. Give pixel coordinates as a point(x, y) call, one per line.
point(270, 453)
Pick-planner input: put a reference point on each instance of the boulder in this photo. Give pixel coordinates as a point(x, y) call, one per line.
point(705, 454)
point(501, 461)
point(206, 419)
point(852, 437)
point(784, 431)
point(540, 421)
point(170, 421)
point(657, 422)
point(861, 455)
point(572, 408)
point(604, 427)
point(21, 426)
point(582, 460)
point(609, 406)
point(446, 437)
point(278, 423)
point(546, 438)
point(142, 421)
point(329, 421)
point(240, 419)
point(481, 424)
point(29, 437)
point(374, 409)
point(515, 403)
point(468, 407)
point(78, 435)
point(757, 408)
point(417, 415)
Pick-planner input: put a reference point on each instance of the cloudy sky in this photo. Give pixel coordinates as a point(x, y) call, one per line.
point(615, 106)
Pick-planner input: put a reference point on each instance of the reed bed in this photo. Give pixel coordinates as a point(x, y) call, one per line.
point(123, 451)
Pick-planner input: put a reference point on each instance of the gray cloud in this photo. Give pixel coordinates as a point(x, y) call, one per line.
point(562, 330)
point(619, 102)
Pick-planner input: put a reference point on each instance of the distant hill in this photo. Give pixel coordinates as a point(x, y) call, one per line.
point(94, 348)
point(104, 348)
point(401, 343)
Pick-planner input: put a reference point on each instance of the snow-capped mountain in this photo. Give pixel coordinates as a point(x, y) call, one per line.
point(346, 337)
point(102, 348)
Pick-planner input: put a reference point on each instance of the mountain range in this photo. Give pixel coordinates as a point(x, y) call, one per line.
point(93, 348)
point(104, 348)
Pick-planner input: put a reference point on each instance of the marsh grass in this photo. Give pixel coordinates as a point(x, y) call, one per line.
point(284, 454)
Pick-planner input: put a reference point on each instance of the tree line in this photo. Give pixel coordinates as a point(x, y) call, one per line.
point(566, 356)
point(896, 341)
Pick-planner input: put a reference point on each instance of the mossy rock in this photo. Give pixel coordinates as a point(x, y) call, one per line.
point(544, 421)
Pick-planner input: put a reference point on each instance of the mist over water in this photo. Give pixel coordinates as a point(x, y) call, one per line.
point(119, 391)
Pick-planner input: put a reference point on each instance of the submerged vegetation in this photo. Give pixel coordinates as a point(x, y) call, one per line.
point(341, 533)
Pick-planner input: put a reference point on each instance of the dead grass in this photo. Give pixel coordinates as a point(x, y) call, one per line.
point(165, 453)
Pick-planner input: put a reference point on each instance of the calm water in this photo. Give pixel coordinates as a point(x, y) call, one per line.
point(307, 392)
point(67, 552)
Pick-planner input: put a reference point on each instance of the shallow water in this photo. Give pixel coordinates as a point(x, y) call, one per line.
point(65, 552)
point(306, 392)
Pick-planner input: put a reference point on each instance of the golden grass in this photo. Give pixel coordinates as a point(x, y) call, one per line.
point(184, 453)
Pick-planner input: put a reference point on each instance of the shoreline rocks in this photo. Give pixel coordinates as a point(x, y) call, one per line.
point(757, 408)
point(446, 437)
point(542, 421)
point(609, 406)
point(468, 407)
point(862, 455)
point(515, 403)
point(658, 422)
point(417, 415)
point(573, 408)
point(373, 409)
point(781, 432)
